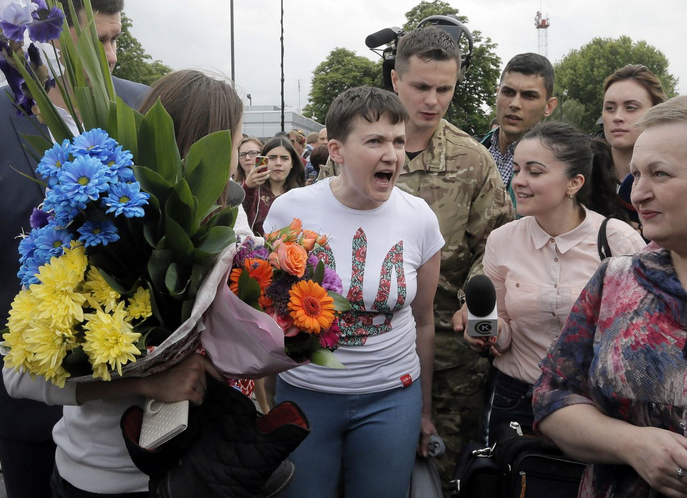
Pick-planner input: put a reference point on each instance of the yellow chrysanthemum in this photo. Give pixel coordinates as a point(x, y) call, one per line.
point(105, 295)
point(49, 344)
point(22, 311)
point(62, 308)
point(19, 357)
point(66, 272)
point(139, 304)
point(109, 341)
point(312, 309)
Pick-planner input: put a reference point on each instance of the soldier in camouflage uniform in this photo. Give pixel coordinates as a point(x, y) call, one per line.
point(459, 180)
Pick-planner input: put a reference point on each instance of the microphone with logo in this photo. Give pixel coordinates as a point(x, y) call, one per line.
point(480, 297)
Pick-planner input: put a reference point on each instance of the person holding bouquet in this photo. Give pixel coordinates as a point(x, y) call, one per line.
point(371, 417)
point(91, 455)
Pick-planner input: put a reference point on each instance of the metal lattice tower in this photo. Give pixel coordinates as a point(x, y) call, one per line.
point(542, 24)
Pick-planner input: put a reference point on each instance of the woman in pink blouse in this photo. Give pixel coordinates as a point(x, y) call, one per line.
point(540, 263)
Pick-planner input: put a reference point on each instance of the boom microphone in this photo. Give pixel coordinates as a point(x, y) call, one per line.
point(382, 37)
point(480, 297)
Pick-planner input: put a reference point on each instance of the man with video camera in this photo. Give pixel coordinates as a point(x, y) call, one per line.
point(458, 179)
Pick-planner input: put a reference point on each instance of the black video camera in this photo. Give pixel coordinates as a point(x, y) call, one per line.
point(391, 37)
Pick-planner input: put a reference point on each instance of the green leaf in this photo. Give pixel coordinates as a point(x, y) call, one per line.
point(86, 104)
point(207, 168)
point(198, 273)
point(217, 239)
point(340, 303)
point(176, 281)
point(325, 358)
point(153, 183)
point(177, 240)
point(157, 144)
point(318, 275)
point(153, 299)
point(49, 113)
point(186, 309)
point(180, 207)
point(126, 130)
point(159, 261)
point(249, 289)
point(90, 54)
point(39, 144)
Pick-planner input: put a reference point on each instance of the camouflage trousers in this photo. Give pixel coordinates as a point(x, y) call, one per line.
point(457, 403)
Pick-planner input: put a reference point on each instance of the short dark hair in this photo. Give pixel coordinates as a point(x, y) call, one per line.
point(532, 64)
point(365, 102)
point(103, 6)
point(581, 156)
point(429, 44)
point(319, 156)
point(643, 76)
point(296, 177)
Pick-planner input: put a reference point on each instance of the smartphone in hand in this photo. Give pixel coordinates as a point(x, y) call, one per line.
point(261, 163)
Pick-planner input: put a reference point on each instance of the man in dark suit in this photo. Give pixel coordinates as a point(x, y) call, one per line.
point(27, 451)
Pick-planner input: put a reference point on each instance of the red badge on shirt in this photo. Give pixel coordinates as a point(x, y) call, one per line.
point(406, 380)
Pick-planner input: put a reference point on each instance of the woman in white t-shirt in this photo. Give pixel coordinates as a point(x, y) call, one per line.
point(367, 419)
point(540, 263)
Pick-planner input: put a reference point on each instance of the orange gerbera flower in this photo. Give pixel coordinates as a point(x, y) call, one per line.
point(311, 307)
point(258, 269)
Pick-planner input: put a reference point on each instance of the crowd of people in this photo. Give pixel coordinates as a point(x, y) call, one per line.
point(591, 347)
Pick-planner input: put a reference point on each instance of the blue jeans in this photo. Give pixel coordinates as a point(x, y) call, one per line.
point(512, 402)
point(372, 438)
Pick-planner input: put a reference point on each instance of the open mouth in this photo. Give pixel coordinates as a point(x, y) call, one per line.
point(383, 178)
point(524, 196)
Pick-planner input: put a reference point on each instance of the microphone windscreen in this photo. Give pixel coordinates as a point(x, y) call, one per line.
point(381, 37)
point(480, 295)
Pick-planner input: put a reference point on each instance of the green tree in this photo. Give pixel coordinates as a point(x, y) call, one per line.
point(341, 70)
point(470, 108)
point(133, 63)
point(582, 71)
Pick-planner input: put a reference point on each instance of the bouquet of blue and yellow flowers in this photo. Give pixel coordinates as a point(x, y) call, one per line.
point(122, 259)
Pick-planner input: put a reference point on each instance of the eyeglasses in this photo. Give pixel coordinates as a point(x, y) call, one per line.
point(250, 153)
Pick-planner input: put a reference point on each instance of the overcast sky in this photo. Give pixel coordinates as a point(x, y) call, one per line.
point(196, 34)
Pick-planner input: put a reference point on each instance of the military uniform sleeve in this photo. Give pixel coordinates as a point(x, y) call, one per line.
point(491, 208)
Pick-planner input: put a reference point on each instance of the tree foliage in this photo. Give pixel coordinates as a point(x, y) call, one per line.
point(470, 108)
point(341, 70)
point(582, 71)
point(133, 63)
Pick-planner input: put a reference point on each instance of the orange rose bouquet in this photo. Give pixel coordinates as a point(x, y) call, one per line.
point(285, 279)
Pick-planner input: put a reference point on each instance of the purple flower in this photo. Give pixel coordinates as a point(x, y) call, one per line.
point(14, 19)
point(331, 281)
point(248, 250)
point(46, 25)
point(16, 83)
point(39, 218)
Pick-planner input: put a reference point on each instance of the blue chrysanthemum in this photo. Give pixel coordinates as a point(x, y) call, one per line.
point(28, 271)
point(98, 232)
point(94, 143)
point(51, 240)
point(60, 207)
point(52, 162)
point(46, 25)
point(82, 180)
point(118, 165)
point(126, 199)
point(27, 246)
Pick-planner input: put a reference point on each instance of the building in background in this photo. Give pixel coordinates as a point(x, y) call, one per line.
point(264, 121)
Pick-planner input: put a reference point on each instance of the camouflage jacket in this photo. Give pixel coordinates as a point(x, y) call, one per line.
point(459, 180)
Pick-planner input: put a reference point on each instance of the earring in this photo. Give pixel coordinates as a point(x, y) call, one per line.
point(571, 197)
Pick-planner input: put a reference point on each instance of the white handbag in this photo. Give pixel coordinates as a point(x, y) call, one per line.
point(161, 422)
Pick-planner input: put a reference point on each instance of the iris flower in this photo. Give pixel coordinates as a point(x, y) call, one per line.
point(46, 25)
point(15, 17)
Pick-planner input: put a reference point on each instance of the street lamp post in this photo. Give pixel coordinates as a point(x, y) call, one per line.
point(231, 10)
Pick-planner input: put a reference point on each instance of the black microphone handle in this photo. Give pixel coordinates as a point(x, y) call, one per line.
point(381, 37)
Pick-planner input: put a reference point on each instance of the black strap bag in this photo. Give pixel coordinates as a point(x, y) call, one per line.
point(516, 466)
